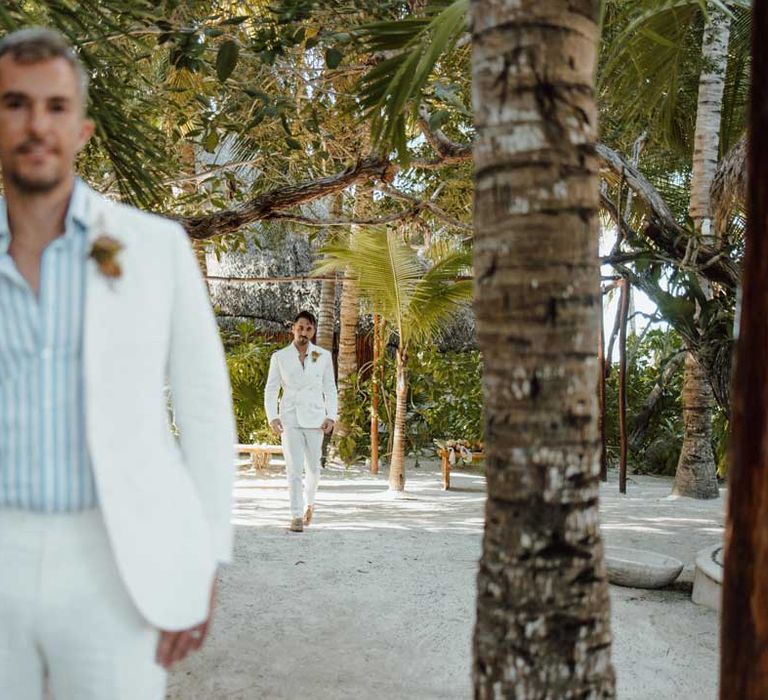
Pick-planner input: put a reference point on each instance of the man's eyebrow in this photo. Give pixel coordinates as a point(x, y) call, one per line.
point(15, 95)
point(11, 94)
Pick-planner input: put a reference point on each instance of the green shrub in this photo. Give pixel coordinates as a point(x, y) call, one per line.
point(444, 401)
point(248, 362)
point(658, 450)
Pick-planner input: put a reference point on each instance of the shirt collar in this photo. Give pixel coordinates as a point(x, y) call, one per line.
point(310, 347)
point(76, 219)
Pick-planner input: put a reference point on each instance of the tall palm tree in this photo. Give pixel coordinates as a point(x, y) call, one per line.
point(414, 300)
point(349, 316)
point(542, 609)
point(678, 55)
point(696, 472)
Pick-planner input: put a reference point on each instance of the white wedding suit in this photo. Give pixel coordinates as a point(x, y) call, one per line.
point(105, 581)
point(308, 398)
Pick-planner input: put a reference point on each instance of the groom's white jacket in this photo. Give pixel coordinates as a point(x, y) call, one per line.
point(166, 502)
point(308, 390)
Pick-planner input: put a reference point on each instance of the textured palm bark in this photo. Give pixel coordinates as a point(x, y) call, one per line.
point(695, 476)
point(543, 626)
point(347, 359)
point(397, 462)
point(744, 630)
point(326, 318)
point(706, 143)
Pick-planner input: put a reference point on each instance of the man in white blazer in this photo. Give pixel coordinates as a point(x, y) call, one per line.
point(111, 527)
point(304, 371)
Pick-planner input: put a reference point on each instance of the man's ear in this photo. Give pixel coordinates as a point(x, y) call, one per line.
point(86, 131)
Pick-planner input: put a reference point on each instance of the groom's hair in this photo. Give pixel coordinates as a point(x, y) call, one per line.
point(41, 44)
point(307, 315)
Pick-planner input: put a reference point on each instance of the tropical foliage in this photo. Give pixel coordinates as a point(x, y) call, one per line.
point(415, 295)
point(248, 355)
point(444, 402)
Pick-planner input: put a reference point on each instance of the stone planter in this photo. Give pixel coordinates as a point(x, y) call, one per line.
point(708, 577)
point(639, 568)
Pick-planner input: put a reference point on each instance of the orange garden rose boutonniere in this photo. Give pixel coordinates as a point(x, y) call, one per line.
point(315, 355)
point(104, 253)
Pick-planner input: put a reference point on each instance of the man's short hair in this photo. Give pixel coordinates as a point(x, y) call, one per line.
point(307, 315)
point(41, 44)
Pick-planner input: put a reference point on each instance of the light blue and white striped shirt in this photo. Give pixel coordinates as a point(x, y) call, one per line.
point(44, 460)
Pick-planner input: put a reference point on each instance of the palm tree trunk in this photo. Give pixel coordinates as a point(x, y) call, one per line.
point(695, 475)
point(397, 462)
point(744, 635)
point(542, 626)
point(347, 362)
point(714, 49)
point(326, 318)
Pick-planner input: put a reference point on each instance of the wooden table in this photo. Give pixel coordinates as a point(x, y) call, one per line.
point(260, 454)
point(445, 464)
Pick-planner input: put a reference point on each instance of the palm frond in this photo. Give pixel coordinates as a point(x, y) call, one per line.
point(390, 91)
point(415, 300)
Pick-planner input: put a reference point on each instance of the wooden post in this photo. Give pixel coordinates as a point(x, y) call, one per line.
point(744, 628)
point(375, 396)
point(601, 396)
point(624, 311)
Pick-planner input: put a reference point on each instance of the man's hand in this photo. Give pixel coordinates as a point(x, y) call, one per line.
point(174, 646)
point(327, 426)
point(277, 426)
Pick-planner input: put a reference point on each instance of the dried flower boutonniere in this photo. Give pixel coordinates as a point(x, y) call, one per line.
point(315, 355)
point(104, 252)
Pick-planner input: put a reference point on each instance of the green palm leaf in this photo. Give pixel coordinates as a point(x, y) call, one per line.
point(391, 91)
point(415, 300)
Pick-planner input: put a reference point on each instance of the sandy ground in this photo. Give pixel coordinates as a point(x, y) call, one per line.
point(376, 600)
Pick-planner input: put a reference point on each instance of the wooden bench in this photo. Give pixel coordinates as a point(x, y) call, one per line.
point(445, 463)
point(259, 454)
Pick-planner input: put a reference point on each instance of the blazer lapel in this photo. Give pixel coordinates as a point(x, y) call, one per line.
point(101, 310)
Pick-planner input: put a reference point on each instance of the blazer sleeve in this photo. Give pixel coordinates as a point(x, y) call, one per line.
point(201, 395)
point(329, 390)
point(272, 388)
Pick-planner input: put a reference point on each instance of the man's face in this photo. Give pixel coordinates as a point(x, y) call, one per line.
point(303, 332)
point(42, 126)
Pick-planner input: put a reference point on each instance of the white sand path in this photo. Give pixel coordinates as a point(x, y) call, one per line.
point(376, 600)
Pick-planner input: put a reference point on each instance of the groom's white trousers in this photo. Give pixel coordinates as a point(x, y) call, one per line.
point(65, 614)
point(302, 449)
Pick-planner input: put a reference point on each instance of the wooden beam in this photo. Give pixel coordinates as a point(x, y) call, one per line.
point(744, 628)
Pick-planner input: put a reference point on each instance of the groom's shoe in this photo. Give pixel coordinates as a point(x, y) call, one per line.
point(297, 525)
point(308, 513)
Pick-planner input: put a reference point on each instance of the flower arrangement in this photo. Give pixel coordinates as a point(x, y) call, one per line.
point(104, 253)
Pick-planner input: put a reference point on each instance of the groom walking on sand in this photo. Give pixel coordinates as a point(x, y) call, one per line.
point(308, 408)
point(111, 529)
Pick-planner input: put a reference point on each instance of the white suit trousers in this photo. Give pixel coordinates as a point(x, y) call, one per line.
point(302, 449)
point(65, 614)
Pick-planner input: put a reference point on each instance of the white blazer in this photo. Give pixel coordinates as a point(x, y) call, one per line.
point(309, 390)
point(166, 502)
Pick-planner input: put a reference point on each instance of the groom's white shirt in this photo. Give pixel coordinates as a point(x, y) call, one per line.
point(309, 391)
point(166, 502)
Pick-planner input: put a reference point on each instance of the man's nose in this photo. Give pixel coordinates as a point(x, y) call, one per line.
point(39, 120)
